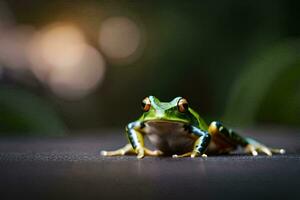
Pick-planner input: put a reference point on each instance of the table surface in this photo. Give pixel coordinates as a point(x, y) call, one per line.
point(71, 167)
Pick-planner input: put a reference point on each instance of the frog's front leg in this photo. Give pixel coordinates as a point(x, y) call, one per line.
point(136, 146)
point(200, 145)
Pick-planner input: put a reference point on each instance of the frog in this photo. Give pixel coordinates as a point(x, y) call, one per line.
point(176, 130)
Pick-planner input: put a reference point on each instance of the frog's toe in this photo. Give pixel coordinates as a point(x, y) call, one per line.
point(127, 149)
point(282, 151)
point(158, 152)
point(182, 155)
point(103, 153)
point(140, 155)
point(119, 152)
point(250, 149)
point(192, 154)
point(278, 151)
point(149, 152)
point(266, 151)
point(197, 154)
point(256, 148)
point(140, 152)
point(254, 153)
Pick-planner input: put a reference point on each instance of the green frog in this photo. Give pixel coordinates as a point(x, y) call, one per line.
point(176, 130)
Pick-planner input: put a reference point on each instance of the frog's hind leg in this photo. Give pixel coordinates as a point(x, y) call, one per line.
point(251, 146)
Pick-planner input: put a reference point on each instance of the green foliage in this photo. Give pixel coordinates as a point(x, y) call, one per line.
point(23, 112)
point(268, 88)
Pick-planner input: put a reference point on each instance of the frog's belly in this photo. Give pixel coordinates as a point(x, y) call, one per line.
point(169, 137)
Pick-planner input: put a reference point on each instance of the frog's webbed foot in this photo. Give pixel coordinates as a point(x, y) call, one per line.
point(255, 147)
point(191, 154)
point(127, 149)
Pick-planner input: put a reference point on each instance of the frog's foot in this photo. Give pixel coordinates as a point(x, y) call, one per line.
point(191, 154)
point(254, 148)
point(127, 149)
point(143, 151)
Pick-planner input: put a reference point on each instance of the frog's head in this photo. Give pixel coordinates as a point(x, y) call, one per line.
point(176, 110)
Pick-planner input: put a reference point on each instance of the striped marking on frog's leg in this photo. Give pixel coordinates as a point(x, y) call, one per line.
point(217, 128)
point(136, 138)
point(200, 145)
point(136, 141)
point(225, 140)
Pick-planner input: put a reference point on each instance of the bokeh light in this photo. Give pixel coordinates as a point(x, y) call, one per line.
point(62, 45)
point(81, 78)
point(119, 37)
point(61, 58)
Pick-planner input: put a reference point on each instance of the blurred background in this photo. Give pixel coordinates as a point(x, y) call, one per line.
point(71, 66)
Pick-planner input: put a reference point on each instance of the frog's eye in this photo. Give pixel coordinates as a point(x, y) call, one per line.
point(146, 104)
point(182, 105)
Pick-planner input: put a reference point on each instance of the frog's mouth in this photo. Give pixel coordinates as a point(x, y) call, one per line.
point(164, 122)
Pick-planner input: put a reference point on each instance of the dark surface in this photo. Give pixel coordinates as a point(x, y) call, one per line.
point(71, 167)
